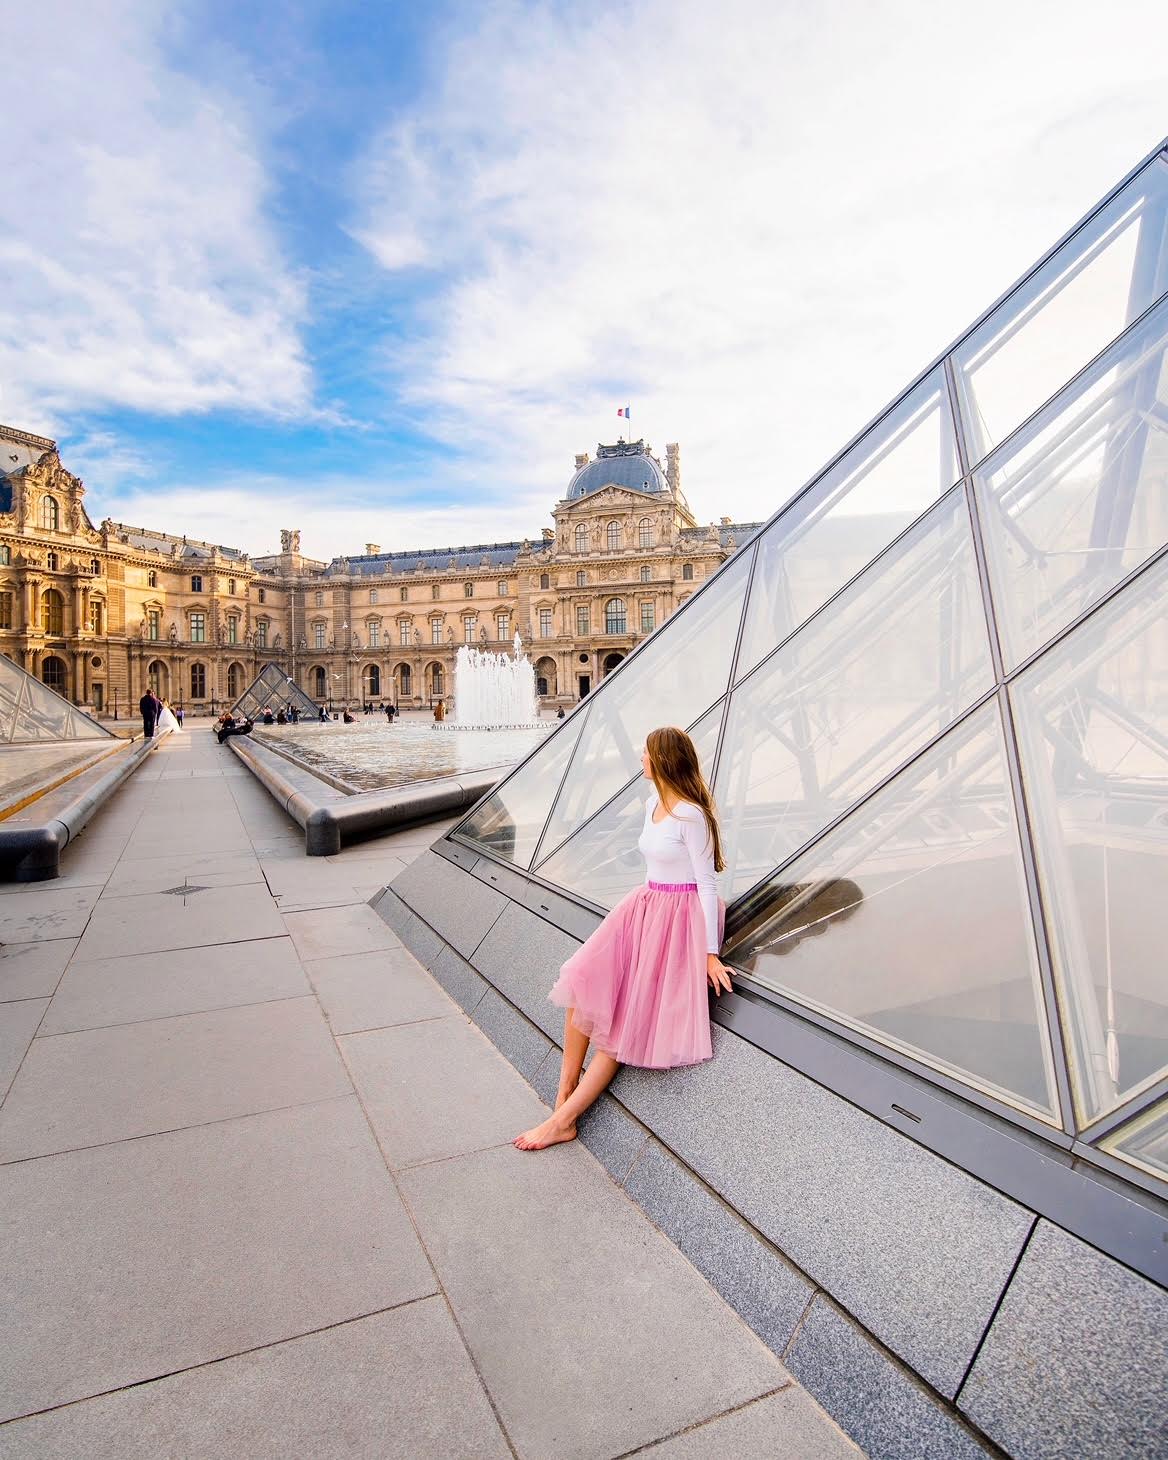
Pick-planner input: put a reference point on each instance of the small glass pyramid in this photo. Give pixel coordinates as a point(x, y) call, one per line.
point(273, 690)
point(30, 711)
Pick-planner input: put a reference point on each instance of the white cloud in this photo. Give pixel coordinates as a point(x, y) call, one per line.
point(754, 221)
point(140, 269)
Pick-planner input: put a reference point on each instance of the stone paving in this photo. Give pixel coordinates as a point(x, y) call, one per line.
point(257, 1196)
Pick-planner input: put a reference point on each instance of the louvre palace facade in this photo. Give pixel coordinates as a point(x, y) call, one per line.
point(101, 612)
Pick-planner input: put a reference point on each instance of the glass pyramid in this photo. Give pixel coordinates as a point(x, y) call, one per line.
point(30, 711)
point(931, 695)
point(273, 690)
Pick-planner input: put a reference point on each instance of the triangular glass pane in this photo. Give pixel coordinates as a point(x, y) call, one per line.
point(510, 820)
point(1092, 717)
point(673, 678)
point(1144, 1141)
point(1087, 293)
point(1080, 497)
point(884, 668)
point(602, 862)
point(833, 530)
point(910, 923)
point(30, 710)
point(273, 690)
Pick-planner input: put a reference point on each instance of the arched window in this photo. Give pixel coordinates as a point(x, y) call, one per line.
point(5, 554)
point(52, 613)
point(373, 595)
point(545, 580)
point(371, 681)
point(614, 616)
point(581, 538)
point(614, 536)
point(468, 590)
point(234, 681)
point(151, 579)
point(50, 515)
point(318, 598)
point(687, 572)
point(437, 681)
point(198, 681)
point(319, 682)
point(646, 573)
point(645, 532)
point(54, 675)
point(95, 567)
point(158, 676)
point(403, 680)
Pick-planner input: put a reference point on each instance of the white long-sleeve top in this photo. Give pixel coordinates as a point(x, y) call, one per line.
point(679, 849)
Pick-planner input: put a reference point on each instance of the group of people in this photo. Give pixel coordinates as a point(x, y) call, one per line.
point(157, 716)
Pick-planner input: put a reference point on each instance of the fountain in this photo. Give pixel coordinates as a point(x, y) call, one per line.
point(493, 691)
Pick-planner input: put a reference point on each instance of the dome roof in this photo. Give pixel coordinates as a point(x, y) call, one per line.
point(627, 464)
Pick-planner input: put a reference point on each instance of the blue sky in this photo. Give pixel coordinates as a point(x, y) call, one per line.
point(378, 271)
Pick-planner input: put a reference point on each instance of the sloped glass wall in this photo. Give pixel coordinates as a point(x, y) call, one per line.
point(932, 698)
point(30, 711)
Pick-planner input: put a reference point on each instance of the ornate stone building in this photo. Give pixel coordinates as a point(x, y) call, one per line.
point(101, 612)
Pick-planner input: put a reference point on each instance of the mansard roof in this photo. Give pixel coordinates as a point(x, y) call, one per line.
point(627, 464)
point(456, 559)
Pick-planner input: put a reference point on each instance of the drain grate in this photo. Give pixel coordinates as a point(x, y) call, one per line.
point(184, 891)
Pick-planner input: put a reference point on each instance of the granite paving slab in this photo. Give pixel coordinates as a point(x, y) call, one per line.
point(211, 868)
point(123, 1263)
point(642, 1348)
point(395, 1386)
point(372, 990)
point(182, 981)
point(157, 922)
point(34, 916)
point(784, 1426)
point(437, 1089)
point(18, 1024)
point(335, 931)
point(33, 970)
point(100, 1085)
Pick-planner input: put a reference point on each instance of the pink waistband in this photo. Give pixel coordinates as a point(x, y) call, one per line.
point(673, 886)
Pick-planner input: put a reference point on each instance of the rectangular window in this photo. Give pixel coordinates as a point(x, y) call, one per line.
point(435, 631)
point(196, 584)
point(501, 626)
point(198, 681)
point(374, 635)
point(318, 636)
point(646, 574)
point(403, 633)
point(581, 578)
point(468, 630)
point(583, 617)
point(435, 590)
point(648, 618)
point(545, 623)
point(154, 624)
point(5, 610)
point(233, 630)
point(262, 634)
point(231, 590)
point(5, 554)
point(502, 587)
point(198, 628)
point(261, 595)
point(373, 595)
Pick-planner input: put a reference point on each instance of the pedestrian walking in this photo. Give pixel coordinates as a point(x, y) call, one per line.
point(150, 705)
point(636, 989)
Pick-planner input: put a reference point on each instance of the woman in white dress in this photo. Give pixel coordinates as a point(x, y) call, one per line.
point(166, 721)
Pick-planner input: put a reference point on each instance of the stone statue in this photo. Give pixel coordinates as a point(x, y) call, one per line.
point(483, 633)
point(142, 629)
point(303, 642)
point(172, 632)
point(277, 641)
point(247, 639)
point(290, 541)
point(450, 635)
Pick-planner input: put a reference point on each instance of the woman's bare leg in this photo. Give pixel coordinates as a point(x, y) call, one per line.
point(575, 1048)
point(561, 1124)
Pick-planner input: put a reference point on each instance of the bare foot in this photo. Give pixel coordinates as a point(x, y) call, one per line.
point(550, 1133)
point(563, 1092)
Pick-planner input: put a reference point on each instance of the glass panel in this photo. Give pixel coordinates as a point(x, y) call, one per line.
point(1052, 325)
point(837, 527)
point(1144, 1141)
point(272, 690)
point(31, 710)
point(888, 665)
point(1080, 497)
point(602, 861)
point(678, 673)
point(510, 820)
point(910, 923)
point(1093, 728)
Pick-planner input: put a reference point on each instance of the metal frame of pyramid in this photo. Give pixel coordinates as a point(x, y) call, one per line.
point(938, 676)
point(32, 712)
point(273, 690)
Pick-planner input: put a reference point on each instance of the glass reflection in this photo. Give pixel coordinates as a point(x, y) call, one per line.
point(1144, 1142)
point(1080, 498)
point(856, 508)
point(1102, 278)
point(888, 665)
point(679, 672)
point(1092, 720)
point(510, 820)
point(602, 862)
point(910, 923)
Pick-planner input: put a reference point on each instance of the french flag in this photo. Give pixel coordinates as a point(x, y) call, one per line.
point(623, 411)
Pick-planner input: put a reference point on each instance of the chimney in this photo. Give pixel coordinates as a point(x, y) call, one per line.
point(372, 549)
point(673, 466)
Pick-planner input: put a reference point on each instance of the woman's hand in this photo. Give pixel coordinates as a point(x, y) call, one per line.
point(718, 974)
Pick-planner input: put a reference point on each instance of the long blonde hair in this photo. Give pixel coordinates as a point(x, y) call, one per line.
point(676, 769)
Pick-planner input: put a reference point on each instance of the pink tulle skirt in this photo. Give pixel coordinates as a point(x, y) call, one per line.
point(638, 985)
